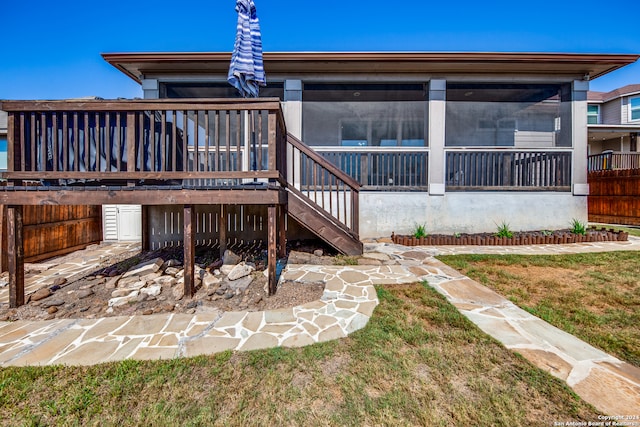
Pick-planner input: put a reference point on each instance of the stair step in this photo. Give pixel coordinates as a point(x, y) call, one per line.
point(321, 224)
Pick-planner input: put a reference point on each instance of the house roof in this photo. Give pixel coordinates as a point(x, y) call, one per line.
point(627, 90)
point(574, 65)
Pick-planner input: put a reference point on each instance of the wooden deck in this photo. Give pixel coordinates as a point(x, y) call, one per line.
point(166, 152)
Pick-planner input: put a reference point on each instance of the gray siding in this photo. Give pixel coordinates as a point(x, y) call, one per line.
point(624, 114)
point(610, 113)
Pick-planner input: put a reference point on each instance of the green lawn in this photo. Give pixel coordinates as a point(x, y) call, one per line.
point(595, 297)
point(418, 362)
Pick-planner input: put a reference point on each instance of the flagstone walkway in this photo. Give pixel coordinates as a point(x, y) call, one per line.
point(75, 265)
point(349, 300)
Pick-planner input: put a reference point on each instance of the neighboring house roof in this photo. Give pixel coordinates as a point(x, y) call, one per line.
point(574, 65)
point(599, 97)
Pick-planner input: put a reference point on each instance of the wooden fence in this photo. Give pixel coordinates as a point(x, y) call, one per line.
point(614, 196)
point(54, 230)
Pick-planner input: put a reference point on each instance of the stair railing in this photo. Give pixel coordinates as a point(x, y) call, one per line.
point(322, 185)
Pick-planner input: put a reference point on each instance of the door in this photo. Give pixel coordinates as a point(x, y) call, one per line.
point(122, 222)
point(129, 222)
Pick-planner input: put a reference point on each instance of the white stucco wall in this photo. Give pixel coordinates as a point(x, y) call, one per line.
point(467, 212)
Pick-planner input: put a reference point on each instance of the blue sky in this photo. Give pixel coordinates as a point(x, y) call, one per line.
point(52, 48)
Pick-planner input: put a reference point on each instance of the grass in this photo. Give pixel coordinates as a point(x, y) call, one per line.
point(417, 362)
point(345, 260)
point(593, 296)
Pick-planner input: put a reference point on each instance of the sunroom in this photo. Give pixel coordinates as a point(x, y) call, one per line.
point(454, 141)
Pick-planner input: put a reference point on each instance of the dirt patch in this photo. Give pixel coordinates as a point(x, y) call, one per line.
point(538, 282)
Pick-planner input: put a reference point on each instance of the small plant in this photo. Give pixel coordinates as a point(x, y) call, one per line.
point(546, 233)
point(578, 227)
point(456, 235)
point(504, 231)
point(419, 231)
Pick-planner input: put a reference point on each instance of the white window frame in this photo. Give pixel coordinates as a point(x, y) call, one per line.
point(632, 109)
point(597, 115)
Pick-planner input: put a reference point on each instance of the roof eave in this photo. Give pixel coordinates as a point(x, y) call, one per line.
point(599, 64)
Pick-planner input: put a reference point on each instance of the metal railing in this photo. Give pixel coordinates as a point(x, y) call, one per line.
point(508, 170)
point(382, 169)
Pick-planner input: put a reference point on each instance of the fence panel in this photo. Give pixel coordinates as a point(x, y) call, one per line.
point(614, 196)
point(53, 230)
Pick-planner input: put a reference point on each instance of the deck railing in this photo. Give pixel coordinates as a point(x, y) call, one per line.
point(222, 141)
point(382, 169)
point(613, 161)
point(313, 178)
point(508, 170)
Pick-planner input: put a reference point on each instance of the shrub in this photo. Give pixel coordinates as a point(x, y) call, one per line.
point(578, 227)
point(419, 231)
point(504, 231)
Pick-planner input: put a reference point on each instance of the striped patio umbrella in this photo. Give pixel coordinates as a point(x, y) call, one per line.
point(246, 72)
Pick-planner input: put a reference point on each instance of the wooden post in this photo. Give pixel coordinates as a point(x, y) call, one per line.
point(222, 229)
point(272, 133)
point(189, 250)
point(130, 144)
point(355, 210)
point(4, 262)
point(15, 256)
point(282, 232)
point(271, 249)
point(146, 238)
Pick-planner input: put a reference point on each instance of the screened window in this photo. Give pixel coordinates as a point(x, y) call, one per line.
point(634, 108)
point(512, 115)
point(364, 115)
point(593, 114)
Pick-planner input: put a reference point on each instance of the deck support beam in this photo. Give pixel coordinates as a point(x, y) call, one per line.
point(3, 239)
point(146, 235)
point(222, 229)
point(282, 232)
point(271, 248)
point(189, 250)
point(15, 256)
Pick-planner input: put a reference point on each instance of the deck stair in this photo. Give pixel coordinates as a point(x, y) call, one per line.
point(322, 197)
